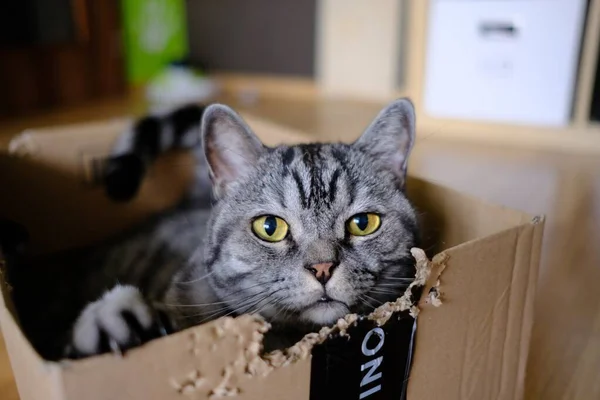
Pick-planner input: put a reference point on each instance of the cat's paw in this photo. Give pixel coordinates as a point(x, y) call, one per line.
point(119, 320)
point(123, 176)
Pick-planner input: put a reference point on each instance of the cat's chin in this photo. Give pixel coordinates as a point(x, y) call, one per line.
point(324, 313)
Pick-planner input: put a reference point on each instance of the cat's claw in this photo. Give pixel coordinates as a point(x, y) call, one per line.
point(119, 320)
point(165, 327)
point(115, 348)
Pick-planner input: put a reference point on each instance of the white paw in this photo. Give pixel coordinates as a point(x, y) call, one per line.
point(120, 319)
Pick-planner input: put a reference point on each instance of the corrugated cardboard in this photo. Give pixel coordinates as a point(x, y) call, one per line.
point(473, 346)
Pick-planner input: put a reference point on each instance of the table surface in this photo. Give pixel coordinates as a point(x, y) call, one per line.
point(565, 349)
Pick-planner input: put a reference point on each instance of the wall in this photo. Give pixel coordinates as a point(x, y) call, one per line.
point(360, 47)
point(253, 36)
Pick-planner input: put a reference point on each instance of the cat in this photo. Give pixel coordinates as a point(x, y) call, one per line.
point(301, 235)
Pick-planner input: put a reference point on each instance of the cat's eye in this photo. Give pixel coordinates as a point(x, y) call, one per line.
point(270, 228)
point(363, 224)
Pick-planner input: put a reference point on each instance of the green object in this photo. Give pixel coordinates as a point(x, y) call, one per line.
point(155, 34)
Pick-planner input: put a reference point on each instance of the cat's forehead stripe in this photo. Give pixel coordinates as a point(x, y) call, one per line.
point(333, 185)
point(288, 156)
point(300, 186)
point(315, 173)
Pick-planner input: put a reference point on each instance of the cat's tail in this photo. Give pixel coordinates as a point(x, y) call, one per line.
point(149, 137)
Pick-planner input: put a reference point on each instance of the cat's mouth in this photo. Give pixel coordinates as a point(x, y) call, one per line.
point(326, 300)
point(324, 311)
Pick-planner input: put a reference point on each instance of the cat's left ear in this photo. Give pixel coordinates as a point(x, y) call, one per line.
point(391, 136)
point(230, 146)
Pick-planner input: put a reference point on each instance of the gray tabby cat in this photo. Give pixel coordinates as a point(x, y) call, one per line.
point(301, 235)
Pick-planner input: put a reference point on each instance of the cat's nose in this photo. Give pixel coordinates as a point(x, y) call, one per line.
point(322, 271)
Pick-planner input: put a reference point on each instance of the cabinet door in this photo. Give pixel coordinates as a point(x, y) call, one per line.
point(504, 61)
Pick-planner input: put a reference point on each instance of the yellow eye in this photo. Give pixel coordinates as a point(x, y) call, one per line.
point(270, 228)
point(363, 224)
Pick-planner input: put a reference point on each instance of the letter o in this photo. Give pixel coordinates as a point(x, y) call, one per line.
point(380, 334)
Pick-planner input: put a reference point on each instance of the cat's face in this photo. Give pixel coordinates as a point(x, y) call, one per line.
point(310, 233)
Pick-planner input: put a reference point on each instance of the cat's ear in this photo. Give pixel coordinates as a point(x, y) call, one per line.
point(391, 136)
point(230, 146)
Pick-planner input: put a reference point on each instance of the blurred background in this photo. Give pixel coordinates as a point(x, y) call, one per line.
point(509, 62)
point(507, 95)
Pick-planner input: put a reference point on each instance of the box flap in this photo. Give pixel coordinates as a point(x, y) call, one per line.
point(475, 345)
point(449, 217)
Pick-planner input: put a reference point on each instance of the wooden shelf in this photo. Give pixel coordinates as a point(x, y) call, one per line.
point(581, 135)
point(587, 66)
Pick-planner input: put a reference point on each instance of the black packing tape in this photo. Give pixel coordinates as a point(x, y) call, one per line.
point(371, 362)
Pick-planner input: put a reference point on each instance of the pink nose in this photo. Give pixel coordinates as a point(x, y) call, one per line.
point(322, 271)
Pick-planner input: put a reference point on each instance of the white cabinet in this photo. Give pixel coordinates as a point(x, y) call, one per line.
point(511, 61)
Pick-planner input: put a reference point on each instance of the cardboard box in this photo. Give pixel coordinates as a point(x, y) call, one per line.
point(474, 345)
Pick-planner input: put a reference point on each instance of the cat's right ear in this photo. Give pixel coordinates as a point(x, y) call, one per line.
point(391, 136)
point(230, 146)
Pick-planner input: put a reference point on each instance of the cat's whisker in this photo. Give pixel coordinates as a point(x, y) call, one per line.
point(389, 281)
point(223, 312)
point(260, 284)
point(398, 278)
point(365, 301)
point(409, 280)
point(195, 305)
point(271, 302)
point(394, 287)
point(384, 291)
point(201, 314)
point(241, 310)
point(265, 283)
point(230, 295)
point(378, 302)
point(394, 283)
point(243, 307)
point(285, 310)
point(215, 313)
point(194, 280)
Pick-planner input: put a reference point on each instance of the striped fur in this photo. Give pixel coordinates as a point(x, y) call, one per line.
point(196, 264)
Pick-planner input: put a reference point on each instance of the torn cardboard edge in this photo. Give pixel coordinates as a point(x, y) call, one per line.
point(434, 294)
point(263, 365)
point(252, 363)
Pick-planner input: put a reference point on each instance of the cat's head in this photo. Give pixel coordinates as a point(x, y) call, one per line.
point(309, 233)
